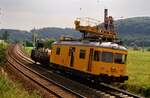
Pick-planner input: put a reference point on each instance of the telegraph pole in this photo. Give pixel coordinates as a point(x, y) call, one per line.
point(143, 45)
point(34, 36)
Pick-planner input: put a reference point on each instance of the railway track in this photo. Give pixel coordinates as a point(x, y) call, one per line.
point(67, 83)
point(102, 90)
point(116, 92)
point(55, 90)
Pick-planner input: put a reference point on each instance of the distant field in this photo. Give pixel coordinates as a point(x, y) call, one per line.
point(139, 72)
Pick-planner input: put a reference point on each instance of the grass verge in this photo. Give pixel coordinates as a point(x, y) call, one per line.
point(10, 89)
point(138, 67)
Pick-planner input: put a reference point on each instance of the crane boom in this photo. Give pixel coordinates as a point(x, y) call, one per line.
point(105, 31)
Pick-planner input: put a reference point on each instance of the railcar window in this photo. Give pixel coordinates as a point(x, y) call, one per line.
point(97, 55)
point(82, 54)
point(57, 51)
point(120, 58)
point(107, 57)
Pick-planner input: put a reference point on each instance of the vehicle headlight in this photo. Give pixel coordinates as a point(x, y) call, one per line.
point(113, 69)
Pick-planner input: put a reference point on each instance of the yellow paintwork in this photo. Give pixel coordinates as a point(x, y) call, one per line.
point(82, 64)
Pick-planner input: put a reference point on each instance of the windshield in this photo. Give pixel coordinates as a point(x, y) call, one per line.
point(120, 58)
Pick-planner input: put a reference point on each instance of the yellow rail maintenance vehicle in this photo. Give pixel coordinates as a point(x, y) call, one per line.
point(105, 62)
point(96, 56)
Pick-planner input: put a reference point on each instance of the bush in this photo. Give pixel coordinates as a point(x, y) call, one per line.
point(29, 44)
point(49, 42)
point(147, 92)
point(148, 49)
point(2, 53)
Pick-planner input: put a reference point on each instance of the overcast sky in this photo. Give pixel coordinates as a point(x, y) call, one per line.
point(27, 14)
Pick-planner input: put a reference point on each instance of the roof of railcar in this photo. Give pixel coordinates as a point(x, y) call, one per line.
point(110, 45)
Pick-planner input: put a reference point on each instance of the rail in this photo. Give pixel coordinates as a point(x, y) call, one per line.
point(54, 88)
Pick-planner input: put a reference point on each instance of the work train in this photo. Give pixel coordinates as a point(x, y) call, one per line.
point(99, 62)
point(96, 56)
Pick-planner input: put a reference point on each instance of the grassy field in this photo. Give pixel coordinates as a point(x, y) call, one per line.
point(139, 68)
point(138, 72)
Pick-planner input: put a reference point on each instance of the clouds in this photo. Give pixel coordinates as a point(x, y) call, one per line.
point(130, 8)
point(26, 14)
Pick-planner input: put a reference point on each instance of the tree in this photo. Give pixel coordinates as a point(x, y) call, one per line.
point(28, 44)
point(49, 42)
point(5, 36)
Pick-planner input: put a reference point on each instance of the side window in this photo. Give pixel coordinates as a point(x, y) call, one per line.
point(82, 54)
point(57, 51)
point(120, 58)
point(97, 56)
point(107, 57)
point(124, 59)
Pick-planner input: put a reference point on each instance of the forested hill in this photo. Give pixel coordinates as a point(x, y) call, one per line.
point(49, 32)
point(130, 30)
point(135, 27)
point(134, 30)
point(52, 32)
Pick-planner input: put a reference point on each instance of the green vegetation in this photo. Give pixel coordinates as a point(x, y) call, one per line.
point(28, 44)
point(9, 89)
point(49, 42)
point(139, 72)
point(5, 36)
point(3, 47)
point(28, 50)
point(148, 49)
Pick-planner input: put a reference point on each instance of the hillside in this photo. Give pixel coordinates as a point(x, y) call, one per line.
point(135, 30)
point(130, 30)
point(52, 32)
point(16, 35)
point(138, 26)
